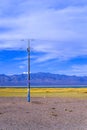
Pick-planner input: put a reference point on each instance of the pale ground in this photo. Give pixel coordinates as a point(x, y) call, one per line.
point(43, 114)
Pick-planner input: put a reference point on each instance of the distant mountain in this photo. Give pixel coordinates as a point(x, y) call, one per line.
point(41, 79)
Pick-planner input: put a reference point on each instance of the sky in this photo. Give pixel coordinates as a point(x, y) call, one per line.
point(56, 29)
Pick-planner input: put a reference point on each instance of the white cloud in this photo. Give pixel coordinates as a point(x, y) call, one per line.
point(63, 30)
point(64, 24)
point(25, 72)
point(79, 70)
point(21, 66)
point(59, 50)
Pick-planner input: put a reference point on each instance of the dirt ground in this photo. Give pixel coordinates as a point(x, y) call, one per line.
point(43, 114)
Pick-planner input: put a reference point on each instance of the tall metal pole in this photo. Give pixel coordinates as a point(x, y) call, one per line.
point(28, 50)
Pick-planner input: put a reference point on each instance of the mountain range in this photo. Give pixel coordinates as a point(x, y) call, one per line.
point(41, 79)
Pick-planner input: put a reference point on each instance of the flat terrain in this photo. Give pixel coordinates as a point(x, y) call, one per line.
point(45, 111)
point(43, 114)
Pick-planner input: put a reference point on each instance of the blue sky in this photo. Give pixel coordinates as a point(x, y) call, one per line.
point(58, 33)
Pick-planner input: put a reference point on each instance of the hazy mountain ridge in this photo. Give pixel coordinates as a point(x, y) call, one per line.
point(41, 79)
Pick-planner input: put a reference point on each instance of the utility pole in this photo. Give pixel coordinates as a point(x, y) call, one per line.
point(28, 50)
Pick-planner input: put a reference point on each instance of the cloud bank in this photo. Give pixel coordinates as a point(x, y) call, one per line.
point(58, 27)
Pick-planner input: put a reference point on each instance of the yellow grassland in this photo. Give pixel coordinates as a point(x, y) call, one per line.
point(44, 92)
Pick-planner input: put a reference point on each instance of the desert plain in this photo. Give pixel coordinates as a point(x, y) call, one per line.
point(52, 110)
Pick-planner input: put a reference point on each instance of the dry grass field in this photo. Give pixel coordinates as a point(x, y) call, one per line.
point(44, 92)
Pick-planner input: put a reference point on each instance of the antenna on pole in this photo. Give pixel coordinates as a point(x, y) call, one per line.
point(28, 50)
